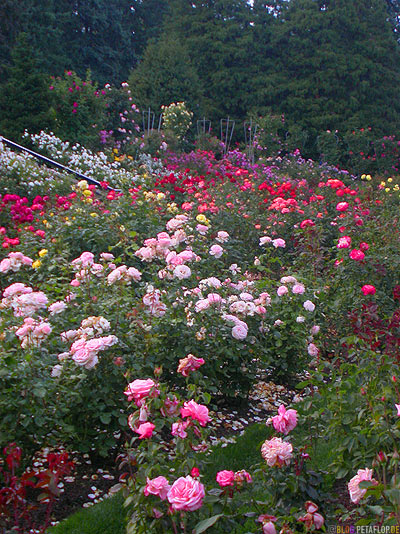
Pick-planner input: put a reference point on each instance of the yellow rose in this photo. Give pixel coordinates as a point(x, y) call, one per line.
point(82, 185)
point(36, 264)
point(93, 214)
point(201, 218)
point(42, 253)
point(369, 177)
point(390, 180)
point(387, 189)
point(87, 193)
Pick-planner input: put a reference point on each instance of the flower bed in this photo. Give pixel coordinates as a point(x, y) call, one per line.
point(179, 291)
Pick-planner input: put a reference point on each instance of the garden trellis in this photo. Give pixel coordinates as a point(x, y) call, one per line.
point(227, 128)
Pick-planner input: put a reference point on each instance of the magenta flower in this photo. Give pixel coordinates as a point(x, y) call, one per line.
point(145, 430)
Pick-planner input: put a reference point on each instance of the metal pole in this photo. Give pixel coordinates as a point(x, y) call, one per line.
point(55, 164)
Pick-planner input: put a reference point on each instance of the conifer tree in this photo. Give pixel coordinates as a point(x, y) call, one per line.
point(166, 75)
point(24, 98)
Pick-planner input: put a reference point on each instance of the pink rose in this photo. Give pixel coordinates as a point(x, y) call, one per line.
point(197, 412)
point(368, 290)
point(157, 486)
point(216, 251)
point(312, 350)
point(344, 242)
point(186, 494)
point(298, 289)
point(240, 330)
point(225, 478)
point(269, 528)
point(279, 243)
point(145, 430)
point(222, 236)
point(285, 421)
point(276, 452)
point(188, 364)
point(356, 493)
point(179, 429)
point(398, 409)
point(282, 290)
point(357, 255)
point(342, 206)
point(140, 389)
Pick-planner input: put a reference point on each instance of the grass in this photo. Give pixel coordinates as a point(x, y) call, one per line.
point(108, 516)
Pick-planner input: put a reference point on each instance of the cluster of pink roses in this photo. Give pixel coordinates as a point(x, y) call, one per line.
point(228, 479)
point(85, 352)
point(14, 261)
point(32, 333)
point(23, 300)
point(140, 389)
point(85, 347)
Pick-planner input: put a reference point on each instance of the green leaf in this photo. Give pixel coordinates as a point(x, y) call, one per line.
point(204, 525)
point(105, 418)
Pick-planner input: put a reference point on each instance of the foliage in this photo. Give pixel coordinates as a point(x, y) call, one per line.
point(24, 98)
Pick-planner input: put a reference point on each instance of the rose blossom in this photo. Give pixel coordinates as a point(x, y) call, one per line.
point(216, 251)
point(140, 389)
point(398, 409)
point(356, 493)
point(368, 290)
point(182, 271)
point(298, 289)
point(157, 486)
point(285, 421)
point(279, 243)
point(269, 528)
point(188, 364)
point(222, 236)
point(57, 307)
point(240, 330)
point(342, 206)
point(186, 494)
point(282, 290)
point(309, 306)
point(145, 430)
point(179, 429)
point(312, 350)
point(276, 452)
point(265, 240)
point(344, 242)
point(357, 255)
point(242, 476)
point(225, 478)
point(197, 412)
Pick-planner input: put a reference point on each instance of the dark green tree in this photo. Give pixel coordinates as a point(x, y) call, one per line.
point(166, 75)
point(9, 28)
point(219, 37)
point(24, 98)
point(339, 66)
